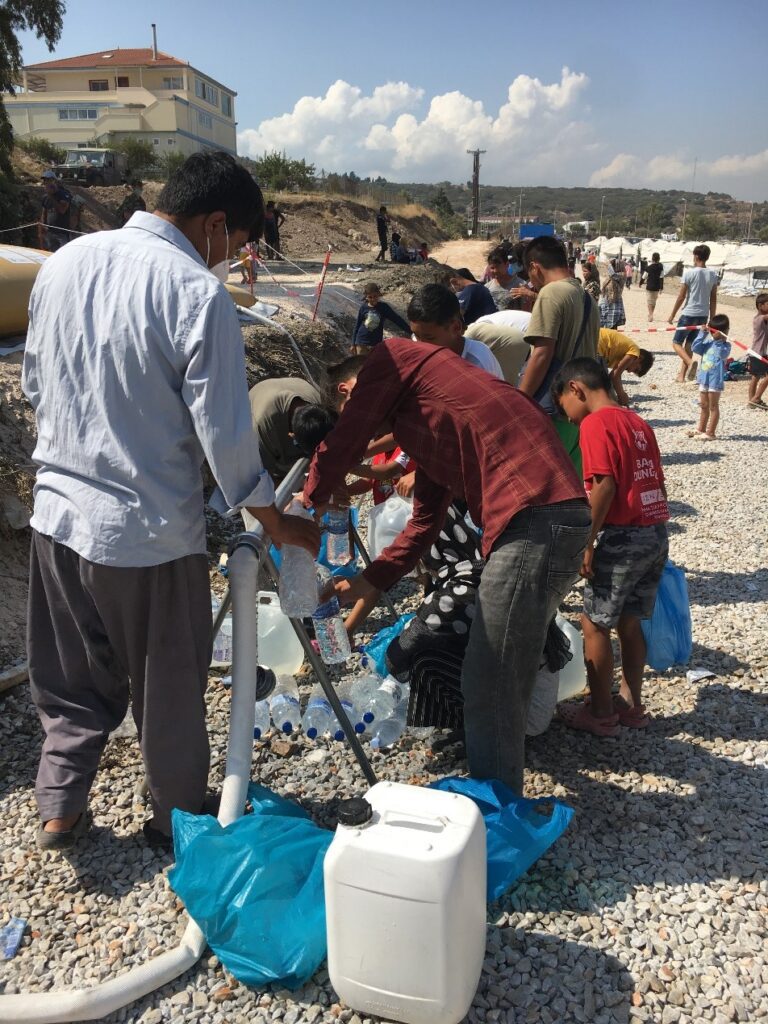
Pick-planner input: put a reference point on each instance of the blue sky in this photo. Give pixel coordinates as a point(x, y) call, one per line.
point(557, 92)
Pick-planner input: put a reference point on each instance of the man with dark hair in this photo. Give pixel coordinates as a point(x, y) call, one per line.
point(698, 297)
point(382, 230)
point(565, 323)
point(474, 298)
point(289, 420)
point(134, 365)
point(55, 214)
point(340, 380)
point(474, 436)
point(434, 316)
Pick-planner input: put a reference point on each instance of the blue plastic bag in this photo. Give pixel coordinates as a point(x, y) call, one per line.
point(376, 648)
point(338, 571)
point(255, 888)
point(517, 834)
point(668, 635)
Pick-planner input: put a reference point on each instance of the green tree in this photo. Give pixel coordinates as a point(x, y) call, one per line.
point(44, 18)
point(699, 226)
point(141, 155)
point(762, 234)
point(650, 218)
point(276, 172)
point(170, 162)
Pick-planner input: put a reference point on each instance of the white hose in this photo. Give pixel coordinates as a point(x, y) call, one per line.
point(109, 996)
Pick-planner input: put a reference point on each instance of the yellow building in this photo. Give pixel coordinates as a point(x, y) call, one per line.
point(109, 95)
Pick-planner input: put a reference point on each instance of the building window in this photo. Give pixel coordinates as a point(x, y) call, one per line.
point(206, 92)
point(171, 142)
point(77, 114)
point(173, 82)
point(98, 85)
point(226, 105)
point(122, 81)
point(204, 119)
point(155, 142)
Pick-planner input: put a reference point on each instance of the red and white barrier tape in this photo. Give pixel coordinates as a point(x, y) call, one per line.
point(692, 327)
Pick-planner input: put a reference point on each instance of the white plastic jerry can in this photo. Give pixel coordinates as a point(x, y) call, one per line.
point(405, 899)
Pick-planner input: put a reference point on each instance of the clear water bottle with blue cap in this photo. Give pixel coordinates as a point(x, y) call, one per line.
point(337, 531)
point(364, 686)
point(284, 705)
point(318, 715)
point(389, 730)
point(344, 692)
point(261, 721)
point(298, 585)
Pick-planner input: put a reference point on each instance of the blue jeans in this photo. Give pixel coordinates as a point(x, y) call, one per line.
point(531, 568)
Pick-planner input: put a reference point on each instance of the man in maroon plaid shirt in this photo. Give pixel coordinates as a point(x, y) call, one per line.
point(478, 439)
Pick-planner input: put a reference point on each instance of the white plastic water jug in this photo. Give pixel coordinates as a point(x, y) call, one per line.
point(386, 521)
point(405, 892)
point(572, 678)
point(279, 647)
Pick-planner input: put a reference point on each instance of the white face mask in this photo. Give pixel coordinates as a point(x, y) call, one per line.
point(219, 270)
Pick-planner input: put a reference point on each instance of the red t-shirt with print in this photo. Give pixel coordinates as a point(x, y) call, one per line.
point(617, 442)
point(383, 489)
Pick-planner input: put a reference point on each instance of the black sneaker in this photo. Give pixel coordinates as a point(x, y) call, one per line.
point(156, 839)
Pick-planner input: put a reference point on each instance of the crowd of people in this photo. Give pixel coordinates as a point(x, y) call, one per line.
point(503, 419)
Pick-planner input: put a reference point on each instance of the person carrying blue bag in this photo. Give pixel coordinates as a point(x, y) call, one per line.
point(627, 548)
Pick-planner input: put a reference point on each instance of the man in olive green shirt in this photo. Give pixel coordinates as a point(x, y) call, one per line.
point(290, 421)
point(565, 323)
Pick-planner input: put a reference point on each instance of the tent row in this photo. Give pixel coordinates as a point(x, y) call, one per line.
point(744, 266)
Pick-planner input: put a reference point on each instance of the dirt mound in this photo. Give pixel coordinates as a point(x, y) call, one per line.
point(268, 352)
point(398, 282)
point(312, 223)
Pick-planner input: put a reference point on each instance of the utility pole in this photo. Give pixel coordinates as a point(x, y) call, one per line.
point(520, 218)
point(685, 211)
point(600, 228)
point(749, 224)
point(475, 188)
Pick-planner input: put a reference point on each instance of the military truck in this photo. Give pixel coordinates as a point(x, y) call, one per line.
point(93, 167)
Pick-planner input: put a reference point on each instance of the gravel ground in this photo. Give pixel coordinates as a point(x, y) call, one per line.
point(652, 907)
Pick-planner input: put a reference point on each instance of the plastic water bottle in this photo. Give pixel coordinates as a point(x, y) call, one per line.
point(337, 522)
point(344, 691)
point(284, 705)
point(261, 720)
point(376, 698)
point(330, 634)
point(363, 688)
point(318, 715)
point(391, 729)
point(222, 644)
point(298, 584)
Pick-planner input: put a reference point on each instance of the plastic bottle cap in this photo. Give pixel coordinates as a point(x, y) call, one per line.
point(356, 811)
point(368, 717)
point(287, 728)
point(312, 733)
point(359, 728)
point(257, 734)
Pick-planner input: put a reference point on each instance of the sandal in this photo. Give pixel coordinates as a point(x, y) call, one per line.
point(578, 716)
point(634, 717)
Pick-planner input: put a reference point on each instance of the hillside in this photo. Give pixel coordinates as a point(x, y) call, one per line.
point(313, 221)
point(625, 210)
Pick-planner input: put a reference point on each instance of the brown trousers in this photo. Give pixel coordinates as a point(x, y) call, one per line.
point(97, 634)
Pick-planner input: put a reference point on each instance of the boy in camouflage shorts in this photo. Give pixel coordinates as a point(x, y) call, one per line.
point(627, 547)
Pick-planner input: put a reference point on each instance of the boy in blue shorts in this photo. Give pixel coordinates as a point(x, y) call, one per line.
point(714, 350)
point(627, 547)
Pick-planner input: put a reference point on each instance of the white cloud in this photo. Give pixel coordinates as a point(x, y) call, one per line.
point(674, 170)
point(388, 133)
point(541, 133)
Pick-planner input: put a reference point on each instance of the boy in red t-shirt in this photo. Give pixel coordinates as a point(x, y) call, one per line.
point(627, 547)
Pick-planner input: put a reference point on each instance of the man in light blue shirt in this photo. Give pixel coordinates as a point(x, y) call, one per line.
point(134, 365)
point(699, 293)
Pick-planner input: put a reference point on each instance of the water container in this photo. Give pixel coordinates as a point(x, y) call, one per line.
point(279, 647)
point(386, 522)
point(344, 693)
point(318, 715)
point(331, 636)
point(285, 706)
point(297, 587)
point(405, 897)
point(222, 643)
point(337, 523)
point(387, 731)
point(261, 719)
point(573, 676)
